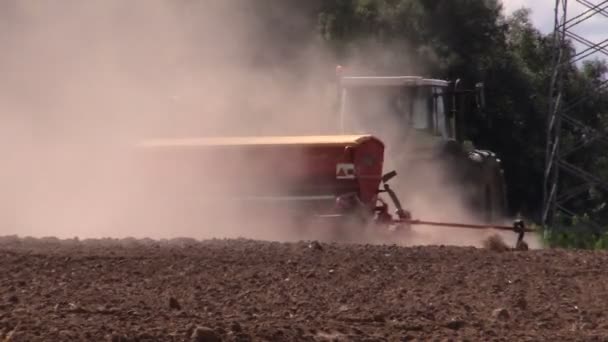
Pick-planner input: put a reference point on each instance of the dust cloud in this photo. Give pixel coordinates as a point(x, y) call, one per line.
point(84, 81)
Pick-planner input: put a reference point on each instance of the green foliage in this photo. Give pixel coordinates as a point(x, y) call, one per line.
point(576, 232)
point(574, 238)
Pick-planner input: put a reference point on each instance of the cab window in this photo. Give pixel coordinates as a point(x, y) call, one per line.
point(420, 115)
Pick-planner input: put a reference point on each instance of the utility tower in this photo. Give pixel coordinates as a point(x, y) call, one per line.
point(564, 179)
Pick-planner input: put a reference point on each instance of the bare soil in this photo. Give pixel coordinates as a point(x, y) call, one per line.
point(244, 290)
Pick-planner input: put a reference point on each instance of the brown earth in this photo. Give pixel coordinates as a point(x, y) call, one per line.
point(243, 290)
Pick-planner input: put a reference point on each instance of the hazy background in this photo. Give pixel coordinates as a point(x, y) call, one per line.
point(84, 80)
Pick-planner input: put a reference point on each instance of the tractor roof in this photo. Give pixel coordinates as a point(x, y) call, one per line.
point(319, 140)
point(354, 81)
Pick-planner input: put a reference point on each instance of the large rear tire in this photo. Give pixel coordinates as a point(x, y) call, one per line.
point(480, 176)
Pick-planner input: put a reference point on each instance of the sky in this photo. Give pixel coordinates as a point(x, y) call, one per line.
point(595, 29)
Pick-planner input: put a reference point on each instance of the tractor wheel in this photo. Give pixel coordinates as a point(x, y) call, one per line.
point(480, 176)
point(453, 157)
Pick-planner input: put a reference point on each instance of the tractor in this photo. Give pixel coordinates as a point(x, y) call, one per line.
point(338, 181)
point(422, 121)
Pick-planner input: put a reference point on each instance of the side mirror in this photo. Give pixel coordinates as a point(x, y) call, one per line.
point(389, 176)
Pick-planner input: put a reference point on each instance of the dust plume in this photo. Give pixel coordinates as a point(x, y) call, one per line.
point(84, 81)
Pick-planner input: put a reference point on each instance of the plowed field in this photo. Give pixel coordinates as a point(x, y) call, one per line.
point(243, 290)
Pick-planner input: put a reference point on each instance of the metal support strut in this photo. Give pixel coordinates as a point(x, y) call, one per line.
point(404, 216)
point(518, 226)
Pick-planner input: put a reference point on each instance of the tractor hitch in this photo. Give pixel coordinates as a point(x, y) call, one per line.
point(404, 217)
point(401, 213)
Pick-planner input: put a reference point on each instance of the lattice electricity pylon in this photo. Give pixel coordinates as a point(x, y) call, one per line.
point(563, 116)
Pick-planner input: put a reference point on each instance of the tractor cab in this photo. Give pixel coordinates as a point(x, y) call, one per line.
point(421, 110)
point(423, 122)
point(393, 105)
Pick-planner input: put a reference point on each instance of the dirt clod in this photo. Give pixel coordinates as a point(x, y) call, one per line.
point(455, 324)
point(495, 243)
point(236, 327)
point(13, 299)
point(315, 246)
point(118, 338)
point(174, 304)
point(205, 334)
point(521, 303)
point(501, 314)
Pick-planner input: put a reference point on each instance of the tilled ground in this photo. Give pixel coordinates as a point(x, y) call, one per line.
point(241, 290)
